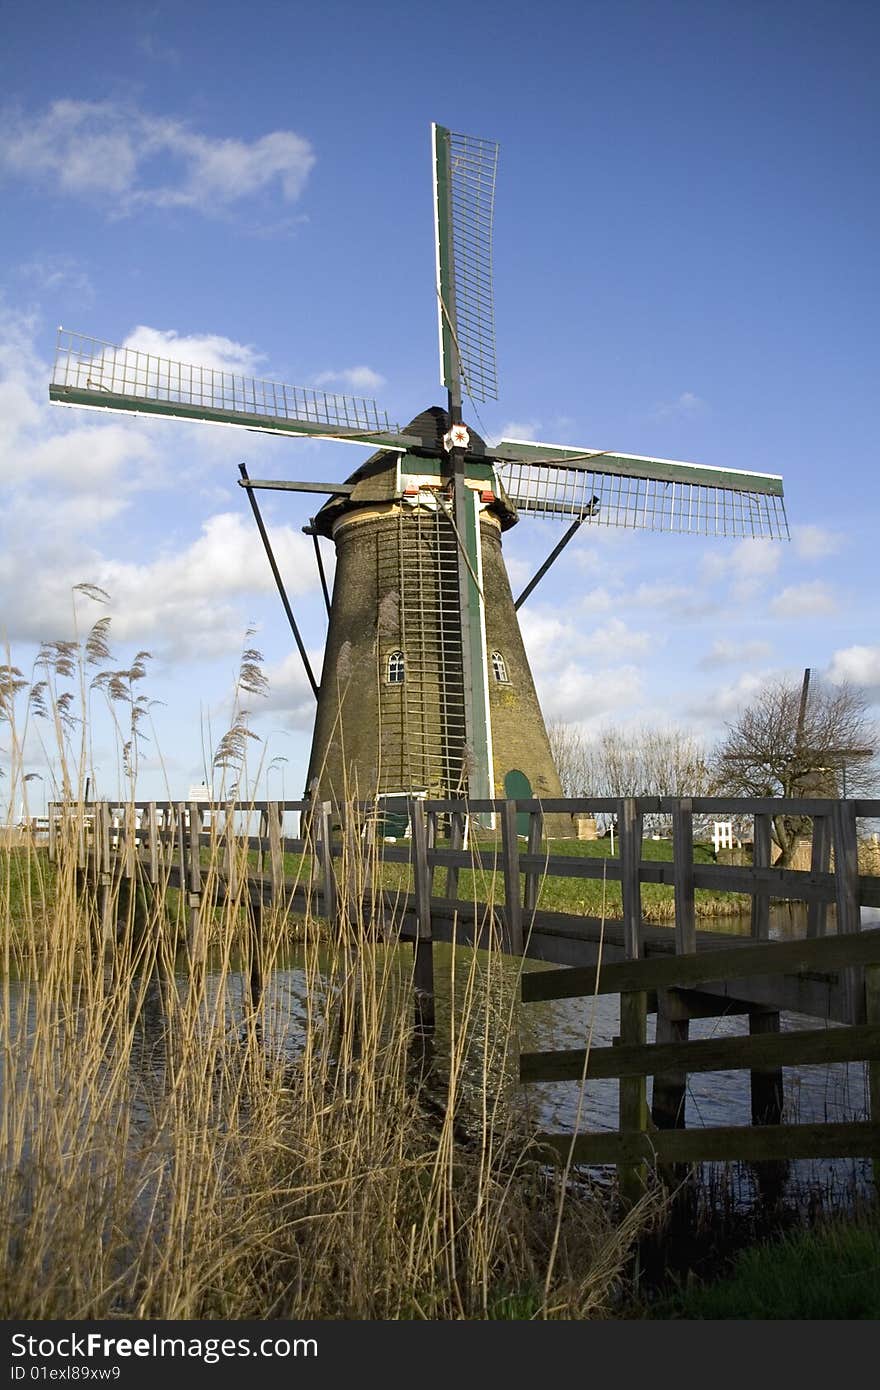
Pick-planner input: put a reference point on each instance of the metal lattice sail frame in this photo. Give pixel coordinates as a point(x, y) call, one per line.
point(641, 493)
point(465, 169)
point(89, 372)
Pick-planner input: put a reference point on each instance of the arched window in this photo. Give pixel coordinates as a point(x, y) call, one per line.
point(499, 668)
point(396, 668)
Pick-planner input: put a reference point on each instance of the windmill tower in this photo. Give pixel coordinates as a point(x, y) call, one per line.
point(426, 686)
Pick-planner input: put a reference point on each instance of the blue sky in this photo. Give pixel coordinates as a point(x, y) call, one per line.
point(685, 266)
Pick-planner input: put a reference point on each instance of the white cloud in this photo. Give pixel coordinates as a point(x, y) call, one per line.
point(289, 691)
point(747, 565)
point(57, 272)
point(813, 542)
point(687, 405)
point(725, 701)
point(725, 653)
point(860, 665)
point(356, 378)
point(196, 349)
point(575, 693)
point(127, 158)
point(804, 600)
point(91, 457)
point(186, 599)
point(517, 429)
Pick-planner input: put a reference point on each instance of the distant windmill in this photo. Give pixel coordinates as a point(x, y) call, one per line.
point(426, 686)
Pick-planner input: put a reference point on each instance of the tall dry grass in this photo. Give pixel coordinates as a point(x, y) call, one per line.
point(175, 1147)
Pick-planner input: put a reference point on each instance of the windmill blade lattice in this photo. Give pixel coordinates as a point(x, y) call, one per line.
point(644, 494)
point(88, 371)
point(465, 170)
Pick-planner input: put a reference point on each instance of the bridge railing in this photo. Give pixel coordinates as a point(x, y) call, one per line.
point(284, 852)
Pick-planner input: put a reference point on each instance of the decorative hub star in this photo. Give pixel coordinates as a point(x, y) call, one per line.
point(456, 438)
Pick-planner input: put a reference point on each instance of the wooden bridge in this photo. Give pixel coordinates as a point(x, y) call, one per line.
point(240, 854)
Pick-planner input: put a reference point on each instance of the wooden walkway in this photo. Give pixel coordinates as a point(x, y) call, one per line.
point(678, 972)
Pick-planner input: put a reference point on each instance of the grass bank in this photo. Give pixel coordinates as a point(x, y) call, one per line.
point(830, 1272)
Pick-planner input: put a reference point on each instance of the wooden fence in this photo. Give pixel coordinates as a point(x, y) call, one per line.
point(244, 855)
point(662, 1139)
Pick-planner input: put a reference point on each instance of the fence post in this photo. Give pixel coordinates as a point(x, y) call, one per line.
point(229, 851)
point(513, 933)
point(633, 1094)
point(106, 915)
point(820, 863)
point(761, 895)
point(275, 818)
point(325, 860)
point(631, 888)
point(683, 869)
point(423, 965)
point(846, 883)
point(872, 1015)
point(456, 842)
point(197, 935)
point(153, 832)
point(533, 846)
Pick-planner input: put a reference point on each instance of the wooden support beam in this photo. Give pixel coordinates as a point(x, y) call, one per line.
point(765, 1082)
point(748, 1143)
point(761, 1050)
point(633, 1102)
point(681, 972)
point(670, 1086)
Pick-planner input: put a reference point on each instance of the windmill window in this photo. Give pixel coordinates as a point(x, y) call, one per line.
point(396, 668)
point(499, 668)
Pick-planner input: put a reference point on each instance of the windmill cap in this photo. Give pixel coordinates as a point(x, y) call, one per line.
point(375, 481)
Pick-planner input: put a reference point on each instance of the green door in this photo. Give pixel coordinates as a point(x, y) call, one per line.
point(518, 788)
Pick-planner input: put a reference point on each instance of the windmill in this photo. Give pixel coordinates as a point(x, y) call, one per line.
point(426, 687)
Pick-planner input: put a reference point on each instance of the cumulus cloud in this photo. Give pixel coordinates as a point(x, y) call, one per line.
point(746, 566)
point(355, 378)
point(127, 159)
point(860, 665)
point(686, 406)
point(55, 273)
point(185, 598)
point(725, 701)
point(518, 429)
point(573, 691)
point(804, 600)
point(196, 349)
point(814, 542)
point(290, 694)
point(725, 653)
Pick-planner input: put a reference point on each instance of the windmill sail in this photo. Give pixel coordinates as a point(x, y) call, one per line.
point(464, 200)
point(92, 373)
point(631, 490)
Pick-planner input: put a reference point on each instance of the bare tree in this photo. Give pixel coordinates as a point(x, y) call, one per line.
point(649, 761)
point(784, 745)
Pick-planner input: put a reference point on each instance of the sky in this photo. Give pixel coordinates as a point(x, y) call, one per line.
point(686, 266)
